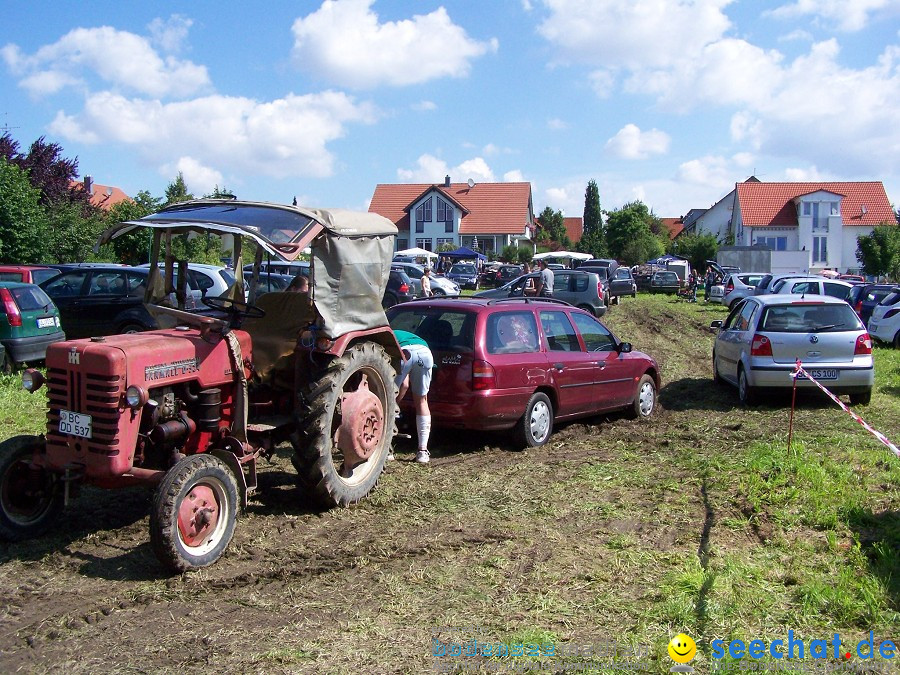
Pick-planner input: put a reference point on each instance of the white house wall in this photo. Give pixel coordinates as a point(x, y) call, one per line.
point(716, 220)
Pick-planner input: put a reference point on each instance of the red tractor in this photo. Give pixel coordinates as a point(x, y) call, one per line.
point(191, 407)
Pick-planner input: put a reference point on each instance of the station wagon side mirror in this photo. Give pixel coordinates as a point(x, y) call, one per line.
point(624, 347)
point(715, 325)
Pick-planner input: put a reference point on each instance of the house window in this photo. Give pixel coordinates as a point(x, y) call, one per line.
point(835, 208)
point(445, 215)
point(774, 243)
point(444, 240)
point(807, 208)
point(423, 215)
point(820, 250)
point(402, 244)
point(424, 243)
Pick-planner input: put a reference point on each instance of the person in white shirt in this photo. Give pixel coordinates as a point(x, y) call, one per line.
point(426, 283)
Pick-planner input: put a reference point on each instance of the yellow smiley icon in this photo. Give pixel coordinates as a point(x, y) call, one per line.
point(682, 648)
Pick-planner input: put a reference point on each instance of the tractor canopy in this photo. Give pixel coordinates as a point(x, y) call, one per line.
point(351, 251)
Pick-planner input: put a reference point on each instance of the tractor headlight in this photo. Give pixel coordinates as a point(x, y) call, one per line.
point(136, 397)
point(32, 380)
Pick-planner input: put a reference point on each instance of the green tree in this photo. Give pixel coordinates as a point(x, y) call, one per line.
point(524, 255)
point(72, 233)
point(879, 252)
point(629, 234)
point(23, 222)
point(593, 240)
point(697, 248)
point(553, 228)
point(132, 248)
point(509, 253)
point(177, 191)
point(221, 193)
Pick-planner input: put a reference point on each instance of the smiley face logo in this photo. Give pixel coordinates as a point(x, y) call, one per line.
point(682, 648)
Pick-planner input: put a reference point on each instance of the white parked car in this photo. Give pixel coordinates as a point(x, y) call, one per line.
point(884, 324)
point(440, 285)
point(208, 280)
point(812, 285)
point(759, 343)
point(739, 286)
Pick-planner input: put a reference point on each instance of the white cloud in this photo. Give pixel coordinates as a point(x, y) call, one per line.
point(345, 43)
point(280, 138)
point(170, 34)
point(798, 35)
point(602, 82)
point(557, 124)
point(514, 176)
point(632, 143)
point(430, 169)
point(634, 34)
point(714, 171)
point(424, 106)
point(119, 58)
point(200, 179)
point(847, 15)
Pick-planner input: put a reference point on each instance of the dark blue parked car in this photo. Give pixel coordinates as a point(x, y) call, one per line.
point(864, 297)
point(464, 274)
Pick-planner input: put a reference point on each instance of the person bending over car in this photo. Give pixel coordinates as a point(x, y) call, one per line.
point(415, 374)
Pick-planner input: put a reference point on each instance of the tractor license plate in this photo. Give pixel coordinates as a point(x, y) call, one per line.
point(46, 322)
point(74, 424)
point(821, 373)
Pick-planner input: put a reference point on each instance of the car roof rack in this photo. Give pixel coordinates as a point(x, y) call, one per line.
point(556, 301)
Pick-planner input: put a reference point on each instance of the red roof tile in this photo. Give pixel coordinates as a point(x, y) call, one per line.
point(487, 208)
point(574, 228)
point(104, 196)
point(673, 225)
point(771, 204)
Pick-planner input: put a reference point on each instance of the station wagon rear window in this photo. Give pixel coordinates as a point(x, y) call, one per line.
point(30, 297)
point(442, 329)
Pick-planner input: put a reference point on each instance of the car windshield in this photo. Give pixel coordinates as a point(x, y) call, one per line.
point(459, 268)
point(808, 318)
point(666, 276)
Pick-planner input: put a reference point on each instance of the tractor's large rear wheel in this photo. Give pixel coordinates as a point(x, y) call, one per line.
point(347, 426)
point(30, 497)
point(194, 513)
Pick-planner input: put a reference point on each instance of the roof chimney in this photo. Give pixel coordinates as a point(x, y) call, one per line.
point(89, 184)
point(447, 180)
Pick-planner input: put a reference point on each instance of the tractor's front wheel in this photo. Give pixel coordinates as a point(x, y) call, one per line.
point(347, 417)
point(30, 497)
point(194, 513)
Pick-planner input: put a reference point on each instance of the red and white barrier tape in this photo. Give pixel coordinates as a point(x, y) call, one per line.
point(877, 434)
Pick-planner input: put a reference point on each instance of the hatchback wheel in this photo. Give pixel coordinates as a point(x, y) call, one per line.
point(746, 393)
point(537, 422)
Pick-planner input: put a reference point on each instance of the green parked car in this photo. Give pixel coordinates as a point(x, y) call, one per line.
point(29, 323)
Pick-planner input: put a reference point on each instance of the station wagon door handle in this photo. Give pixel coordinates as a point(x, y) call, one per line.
point(558, 366)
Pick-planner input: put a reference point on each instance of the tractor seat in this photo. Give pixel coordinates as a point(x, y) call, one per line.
point(275, 336)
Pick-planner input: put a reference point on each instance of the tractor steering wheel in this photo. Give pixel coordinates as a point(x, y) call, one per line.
point(235, 307)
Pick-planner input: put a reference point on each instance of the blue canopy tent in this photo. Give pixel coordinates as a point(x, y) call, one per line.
point(463, 253)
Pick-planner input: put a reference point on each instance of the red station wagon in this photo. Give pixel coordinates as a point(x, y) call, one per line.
point(525, 363)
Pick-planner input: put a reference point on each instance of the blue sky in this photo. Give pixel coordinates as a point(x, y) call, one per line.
point(666, 101)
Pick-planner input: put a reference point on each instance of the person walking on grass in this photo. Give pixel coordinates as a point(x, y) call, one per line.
point(415, 375)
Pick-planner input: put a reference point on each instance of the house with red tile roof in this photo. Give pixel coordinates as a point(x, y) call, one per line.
point(673, 226)
point(489, 215)
point(820, 220)
point(574, 228)
point(102, 196)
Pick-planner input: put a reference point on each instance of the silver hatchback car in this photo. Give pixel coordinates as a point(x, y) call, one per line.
point(759, 343)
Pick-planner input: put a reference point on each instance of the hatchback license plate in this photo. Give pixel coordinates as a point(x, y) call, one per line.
point(74, 424)
point(46, 322)
point(821, 373)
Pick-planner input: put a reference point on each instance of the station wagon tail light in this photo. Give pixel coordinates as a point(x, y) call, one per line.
point(858, 307)
point(13, 315)
point(483, 376)
point(404, 287)
point(863, 345)
point(600, 288)
point(729, 287)
point(760, 346)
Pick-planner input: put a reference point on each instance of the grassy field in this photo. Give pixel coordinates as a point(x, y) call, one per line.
point(616, 536)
